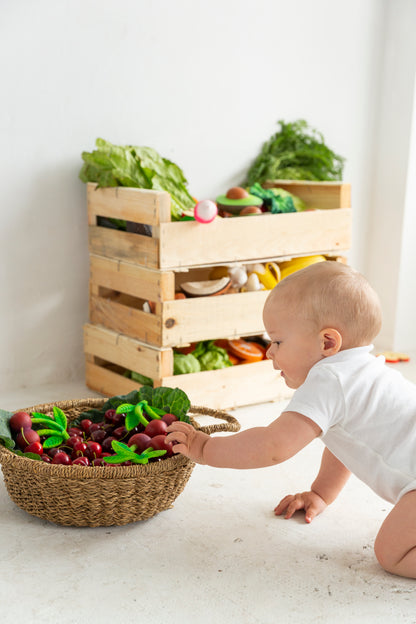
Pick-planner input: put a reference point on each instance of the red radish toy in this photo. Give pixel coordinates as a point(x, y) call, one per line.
point(205, 211)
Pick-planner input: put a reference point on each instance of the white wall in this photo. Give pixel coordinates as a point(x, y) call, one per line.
point(202, 82)
point(391, 255)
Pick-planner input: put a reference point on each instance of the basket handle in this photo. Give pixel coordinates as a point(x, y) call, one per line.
point(230, 424)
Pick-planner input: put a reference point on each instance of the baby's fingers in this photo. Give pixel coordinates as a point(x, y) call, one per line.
point(283, 505)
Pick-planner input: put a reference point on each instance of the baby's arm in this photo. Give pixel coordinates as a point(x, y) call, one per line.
point(331, 478)
point(257, 447)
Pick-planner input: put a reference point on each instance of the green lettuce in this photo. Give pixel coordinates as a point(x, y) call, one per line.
point(138, 167)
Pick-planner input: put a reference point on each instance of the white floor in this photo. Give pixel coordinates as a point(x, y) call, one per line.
point(218, 556)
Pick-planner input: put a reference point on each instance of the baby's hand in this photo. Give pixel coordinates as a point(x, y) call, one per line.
point(311, 502)
point(187, 440)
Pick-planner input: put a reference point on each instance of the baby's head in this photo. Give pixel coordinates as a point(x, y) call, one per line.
point(331, 294)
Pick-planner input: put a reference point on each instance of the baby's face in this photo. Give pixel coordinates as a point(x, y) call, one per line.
point(295, 343)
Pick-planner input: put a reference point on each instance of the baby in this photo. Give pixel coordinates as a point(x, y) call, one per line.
point(321, 321)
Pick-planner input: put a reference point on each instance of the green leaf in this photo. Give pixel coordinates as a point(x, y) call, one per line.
point(45, 432)
point(115, 459)
point(48, 422)
point(53, 441)
point(125, 408)
point(120, 447)
point(29, 455)
point(60, 417)
point(132, 420)
point(5, 431)
point(295, 152)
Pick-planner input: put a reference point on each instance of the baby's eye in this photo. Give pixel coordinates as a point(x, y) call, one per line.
point(276, 342)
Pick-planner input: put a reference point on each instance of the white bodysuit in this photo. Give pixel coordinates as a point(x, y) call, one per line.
point(367, 413)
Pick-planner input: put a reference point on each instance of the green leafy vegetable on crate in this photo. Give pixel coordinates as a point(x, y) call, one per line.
point(138, 167)
point(278, 200)
point(295, 152)
point(206, 356)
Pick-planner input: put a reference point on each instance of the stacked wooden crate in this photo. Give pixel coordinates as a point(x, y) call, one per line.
point(128, 269)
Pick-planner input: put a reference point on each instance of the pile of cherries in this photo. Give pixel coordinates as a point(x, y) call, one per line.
point(89, 443)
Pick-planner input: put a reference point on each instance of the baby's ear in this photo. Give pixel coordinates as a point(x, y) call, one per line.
point(331, 341)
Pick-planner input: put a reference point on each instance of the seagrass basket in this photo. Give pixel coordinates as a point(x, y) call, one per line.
point(100, 495)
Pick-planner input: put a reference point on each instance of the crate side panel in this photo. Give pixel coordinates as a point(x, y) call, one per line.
point(127, 352)
point(132, 279)
point(130, 204)
point(127, 246)
point(252, 238)
point(125, 320)
point(108, 382)
point(245, 384)
point(207, 318)
point(316, 195)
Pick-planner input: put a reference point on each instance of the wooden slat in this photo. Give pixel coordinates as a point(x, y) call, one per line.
point(245, 384)
point(132, 279)
point(206, 318)
point(126, 320)
point(138, 205)
point(108, 382)
point(121, 245)
point(253, 238)
point(316, 195)
point(127, 352)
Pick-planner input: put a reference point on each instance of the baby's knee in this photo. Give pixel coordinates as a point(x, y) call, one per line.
point(385, 554)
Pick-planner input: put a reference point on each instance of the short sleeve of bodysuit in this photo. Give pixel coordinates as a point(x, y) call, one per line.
point(320, 398)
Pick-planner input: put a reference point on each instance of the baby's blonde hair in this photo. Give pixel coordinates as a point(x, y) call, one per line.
point(332, 294)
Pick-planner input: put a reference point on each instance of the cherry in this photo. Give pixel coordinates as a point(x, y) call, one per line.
point(118, 419)
point(94, 448)
point(98, 435)
point(53, 451)
point(98, 461)
point(106, 445)
point(79, 449)
point(46, 459)
point(75, 431)
point(72, 440)
point(20, 420)
point(141, 441)
point(81, 461)
point(109, 415)
point(86, 424)
point(169, 418)
point(120, 432)
point(62, 458)
point(94, 427)
point(158, 443)
point(26, 437)
point(34, 447)
point(155, 427)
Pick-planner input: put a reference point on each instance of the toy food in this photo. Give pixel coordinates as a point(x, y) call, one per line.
point(269, 274)
point(205, 211)
point(248, 351)
point(253, 283)
point(248, 210)
point(207, 287)
point(286, 268)
point(236, 199)
point(392, 357)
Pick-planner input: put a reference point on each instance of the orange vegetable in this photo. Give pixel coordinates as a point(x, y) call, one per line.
point(249, 351)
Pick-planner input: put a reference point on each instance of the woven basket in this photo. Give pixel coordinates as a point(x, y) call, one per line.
point(100, 495)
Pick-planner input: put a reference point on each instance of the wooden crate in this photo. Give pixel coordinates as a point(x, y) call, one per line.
point(109, 354)
point(326, 228)
point(119, 289)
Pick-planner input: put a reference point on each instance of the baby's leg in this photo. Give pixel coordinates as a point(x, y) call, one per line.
point(395, 545)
